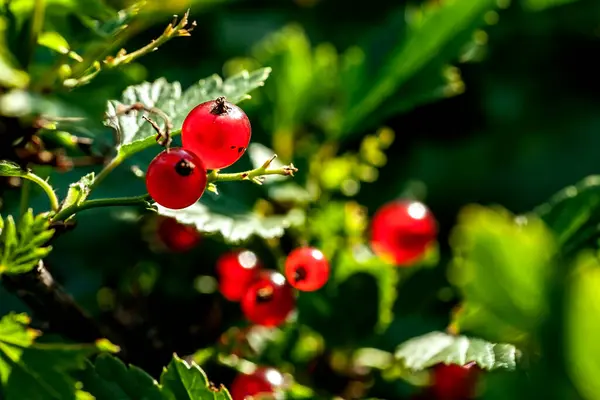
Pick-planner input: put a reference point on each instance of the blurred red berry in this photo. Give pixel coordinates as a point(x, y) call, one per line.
point(269, 300)
point(236, 270)
point(175, 236)
point(307, 269)
point(262, 381)
point(454, 382)
point(402, 231)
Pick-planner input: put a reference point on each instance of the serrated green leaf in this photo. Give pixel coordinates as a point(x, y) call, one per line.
point(136, 134)
point(435, 348)
point(22, 246)
point(232, 219)
point(108, 379)
point(435, 30)
point(30, 370)
point(181, 381)
point(503, 264)
point(9, 168)
point(78, 191)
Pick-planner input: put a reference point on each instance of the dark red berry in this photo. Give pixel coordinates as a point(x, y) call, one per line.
point(402, 231)
point(454, 382)
point(307, 269)
point(262, 381)
point(218, 132)
point(236, 271)
point(176, 178)
point(175, 236)
point(269, 300)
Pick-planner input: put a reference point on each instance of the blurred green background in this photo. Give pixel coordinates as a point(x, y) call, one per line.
point(525, 126)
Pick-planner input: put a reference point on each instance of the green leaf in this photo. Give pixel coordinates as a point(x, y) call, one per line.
point(136, 134)
point(30, 370)
point(108, 379)
point(23, 246)
point(441, 31)
point(583, 326)
point(503, 264)
point(181, 381)
point(78, 191)
point(574, 214)
point(353, 273)
point(10, 75)
point(434, 348)
point(232, 219)
point(9, 168)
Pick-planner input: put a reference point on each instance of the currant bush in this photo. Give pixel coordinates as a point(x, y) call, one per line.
point(218, 132)
point(176, 178)
point(402, 231)
point(307, 269)
point(269, 300)
point(236, 270)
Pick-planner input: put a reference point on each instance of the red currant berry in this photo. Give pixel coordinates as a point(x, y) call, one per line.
point(402, 231)
point(176, 178)
point(307, 269)
point(262, 381)
point(269, 300)
point(217, 131)
point(175, 236)
point(236, 271)
point(454, 382)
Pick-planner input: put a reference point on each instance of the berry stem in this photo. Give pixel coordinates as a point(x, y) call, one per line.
point(114, 163)
point(54, 204)
point(253, 175)
point(109, 202)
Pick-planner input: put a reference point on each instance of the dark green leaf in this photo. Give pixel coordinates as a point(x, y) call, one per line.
point(435, 348)
point(540, 5)
point(23, 245)
point(30, 370)
point(574, 214)
point(136, 134)
point(183, 381)
point(108, 379)
point(232, 219)
point(435, 31)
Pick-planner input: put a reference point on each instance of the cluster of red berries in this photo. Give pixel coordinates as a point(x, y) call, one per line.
point(266, 296)
point(215, 134)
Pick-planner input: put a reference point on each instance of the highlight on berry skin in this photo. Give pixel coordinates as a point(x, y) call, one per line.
point(402, 231)
point(262, 381)
point(218, 132)
point(307, 269)
point(176, 178)
point(269, 300)
point(236, 270)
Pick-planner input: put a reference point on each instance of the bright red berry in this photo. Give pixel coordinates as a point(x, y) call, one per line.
point(262, 381)
point(236, 271)
point(402, 231)
point(269, 300)
point(176, 178)
point(454, 382)
point(177, 237)
point(218, 132)
point(307, 269)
